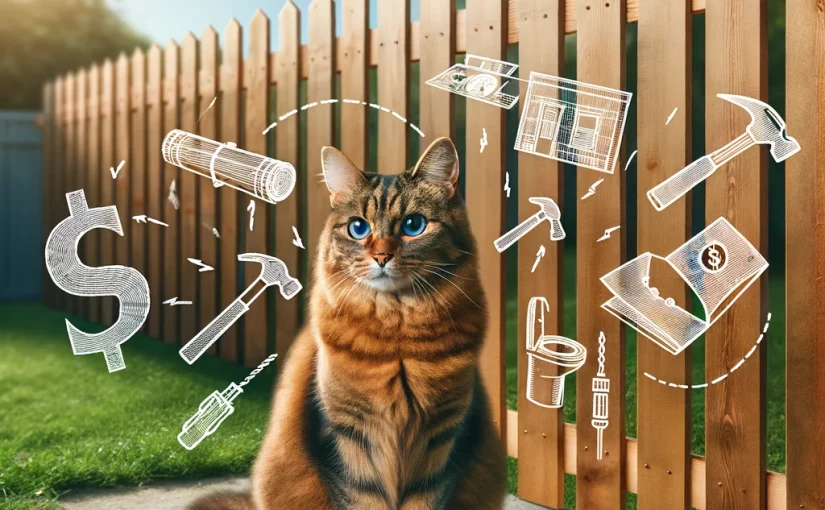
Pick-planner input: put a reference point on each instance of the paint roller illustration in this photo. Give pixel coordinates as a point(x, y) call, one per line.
point(225, 164)
point(549, 359)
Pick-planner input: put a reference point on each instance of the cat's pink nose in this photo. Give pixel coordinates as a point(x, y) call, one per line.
point(382, 258)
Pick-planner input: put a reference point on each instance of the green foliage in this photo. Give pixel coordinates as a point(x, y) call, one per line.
point(41, 39)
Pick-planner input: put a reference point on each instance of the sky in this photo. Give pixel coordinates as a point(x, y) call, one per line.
point(162, 20)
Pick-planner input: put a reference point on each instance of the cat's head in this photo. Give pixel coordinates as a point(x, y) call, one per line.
point(396, 233)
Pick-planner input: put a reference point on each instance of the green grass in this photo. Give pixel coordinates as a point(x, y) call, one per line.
point(66, 422)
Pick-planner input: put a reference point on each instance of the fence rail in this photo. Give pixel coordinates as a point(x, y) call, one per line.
point(95, 118)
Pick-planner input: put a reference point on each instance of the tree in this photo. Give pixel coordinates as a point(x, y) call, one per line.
point(40, 39)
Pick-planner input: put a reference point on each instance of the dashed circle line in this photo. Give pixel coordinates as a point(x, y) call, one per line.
point(349, 101)
point(723, 376)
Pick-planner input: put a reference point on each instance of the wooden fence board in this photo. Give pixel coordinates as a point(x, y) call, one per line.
point(257, 110)
point(123, 112)
point(69, 151)
point(393, 84)
point(805, 255)
point(188, 191)
point(107, 186)
point(354, 65)
point(735, 432)
point(81, 304)
point(137, 165)
point(230, 129)
point(50, 205)
point(171, 214)
point(59, 181)
point(94, 176)
point(288, 212)
point(320, 86)
point(208, 127)
point(155, 191)
point(437, 41)
point(601, 61)
point(541, 438)
point(663, 412)
point(486, 35)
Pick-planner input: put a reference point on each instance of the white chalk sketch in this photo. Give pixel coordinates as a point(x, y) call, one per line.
point(251, 209)
point(718, 264)
point(592, 190)
point(143, 219)
point(601, 389)
point(483, 139)
point(224, 164)
point(114, 171)
point(539, 255)
point(72, 276)
point(174, 302)
point(573, 122)
point(766, 127)
point(173, 195)
point(549, 359)
point(672, 114)
point(202, 267)
point(627, 165)
point(548, 210)
point(211, 104)
point(607, 233)
point(214, 410)
point(297, 241)
point(483, 79)
point(273, 272)
point(215, 232)
point(507, 183)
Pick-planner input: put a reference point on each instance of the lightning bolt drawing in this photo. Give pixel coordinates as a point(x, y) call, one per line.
point(297, 241)
point(173, 195)
point(174, 302)
point(507, 183)
point(251, 209)
point(627, 165)
point(142, 218)
point(607, 233)
point(672, 114)
point(539, 255)
point(592, 190)
point(203, 267)
point(483, 139)
point(215, 232)
point(207, 109)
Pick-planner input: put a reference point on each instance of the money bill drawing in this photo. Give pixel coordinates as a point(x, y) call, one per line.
point(74, 277)
point(719, 264)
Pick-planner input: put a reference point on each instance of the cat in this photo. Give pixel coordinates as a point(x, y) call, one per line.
point(380, 404)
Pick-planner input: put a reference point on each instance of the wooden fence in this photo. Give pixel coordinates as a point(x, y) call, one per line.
point(121, 110)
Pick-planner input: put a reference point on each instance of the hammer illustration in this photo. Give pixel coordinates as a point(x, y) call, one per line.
point(273, 272)
point(548, 211)
point(766, 127)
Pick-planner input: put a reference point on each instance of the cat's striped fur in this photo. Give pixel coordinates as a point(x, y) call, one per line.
point(380, 404)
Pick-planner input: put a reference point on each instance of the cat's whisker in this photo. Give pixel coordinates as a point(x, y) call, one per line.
point(454, 285)
point(436, 268)
point(445, 303)
point(346, 296)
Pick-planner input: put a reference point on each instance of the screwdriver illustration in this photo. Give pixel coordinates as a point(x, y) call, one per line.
point(601, 389)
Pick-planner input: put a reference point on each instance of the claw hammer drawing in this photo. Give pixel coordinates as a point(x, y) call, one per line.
point(273, 272)
point(766, 127)
point(548, 211)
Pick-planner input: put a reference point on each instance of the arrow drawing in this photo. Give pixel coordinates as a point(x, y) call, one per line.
point(607, 233)
point(507, 183)
point(203, 267)
point(592, 190)
point(142, 218)
point(251, 209)
point(297, 241)
point(174, 302)
point(207, 109)
point(539, 255)
point(119, 168)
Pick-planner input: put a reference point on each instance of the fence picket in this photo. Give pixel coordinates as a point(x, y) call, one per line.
point(288, 213)
point(208, 127)
point(137, 164)
point(155, 192)
point(67, 301)
point(93, 176)
point(320, 86)
point(123, 144)
point(664, 429)
point(354, 65)
point(189, 185)
point(601, 50)
point(393, 84)
point(107, 185)
point(256, 344)
point(49, 204)
point(735, 434)
point(230, 129)
point(487, 35)
point(80, 304)
point(805, 207)
point(541, 443)
point(437, 42)
point(171, 214)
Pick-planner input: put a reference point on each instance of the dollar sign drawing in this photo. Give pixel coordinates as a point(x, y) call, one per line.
point(78, 279)
point(714, 258)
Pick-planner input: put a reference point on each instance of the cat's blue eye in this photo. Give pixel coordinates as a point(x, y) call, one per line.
point(358, 228)
point(413, 225)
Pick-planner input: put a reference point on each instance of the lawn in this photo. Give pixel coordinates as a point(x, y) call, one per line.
point(67, 423)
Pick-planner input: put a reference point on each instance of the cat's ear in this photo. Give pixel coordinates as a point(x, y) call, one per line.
point(341, 176)
point(439, 165)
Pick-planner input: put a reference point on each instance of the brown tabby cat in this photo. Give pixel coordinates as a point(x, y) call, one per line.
point(380, 404)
